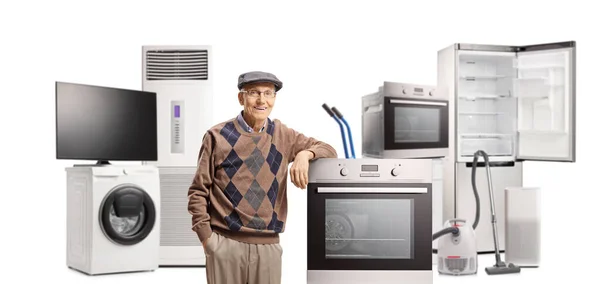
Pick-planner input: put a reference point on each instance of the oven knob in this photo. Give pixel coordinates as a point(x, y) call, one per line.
point(344, 172)
point(395, 172)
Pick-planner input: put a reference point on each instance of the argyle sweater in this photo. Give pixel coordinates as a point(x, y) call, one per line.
point(239, 189)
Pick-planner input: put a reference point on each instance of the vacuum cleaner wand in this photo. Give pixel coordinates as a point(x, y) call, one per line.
point(328, 110)
point(341, 117)
point(500, 267)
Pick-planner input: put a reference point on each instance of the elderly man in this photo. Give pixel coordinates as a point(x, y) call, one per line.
point(238, 199)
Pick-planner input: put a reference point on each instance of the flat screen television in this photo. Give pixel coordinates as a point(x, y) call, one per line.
point(105, 124)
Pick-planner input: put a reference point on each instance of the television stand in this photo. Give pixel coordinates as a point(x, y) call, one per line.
point(99, 163)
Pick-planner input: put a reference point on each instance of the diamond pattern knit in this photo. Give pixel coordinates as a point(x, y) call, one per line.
point(240, 187)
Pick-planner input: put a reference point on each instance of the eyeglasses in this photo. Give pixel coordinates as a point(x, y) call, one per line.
point(255, 94)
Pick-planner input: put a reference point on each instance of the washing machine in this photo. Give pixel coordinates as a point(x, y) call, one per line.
point(113, 218)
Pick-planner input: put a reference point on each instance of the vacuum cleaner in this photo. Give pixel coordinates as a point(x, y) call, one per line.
point(457, 248)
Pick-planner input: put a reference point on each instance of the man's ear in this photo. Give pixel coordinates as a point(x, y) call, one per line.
point(241, 98)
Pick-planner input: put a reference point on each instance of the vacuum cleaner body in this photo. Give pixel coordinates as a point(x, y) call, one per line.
point(457, 247)
point(457, 253)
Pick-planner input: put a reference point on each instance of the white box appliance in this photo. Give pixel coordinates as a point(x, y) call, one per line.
point(113, 220)
point(182, 77)
point(517, 103)
point(523, 226)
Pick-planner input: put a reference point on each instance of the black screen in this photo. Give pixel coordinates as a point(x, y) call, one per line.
point(102, 123)
point(369, 168)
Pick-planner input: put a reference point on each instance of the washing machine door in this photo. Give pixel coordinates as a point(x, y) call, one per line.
point(127, 214)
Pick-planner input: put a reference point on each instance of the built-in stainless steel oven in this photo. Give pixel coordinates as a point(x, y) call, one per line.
point(369, 221)
point(405, 121)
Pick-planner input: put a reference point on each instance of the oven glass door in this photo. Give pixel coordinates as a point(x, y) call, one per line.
point(353, 227)
point(415, 124)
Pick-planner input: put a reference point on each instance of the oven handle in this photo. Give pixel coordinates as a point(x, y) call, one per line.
point(372, 190)
point(419, 102)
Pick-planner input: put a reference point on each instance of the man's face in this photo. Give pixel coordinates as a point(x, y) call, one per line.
point(258, 100)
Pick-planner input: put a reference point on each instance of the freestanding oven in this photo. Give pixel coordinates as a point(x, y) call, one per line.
point(369, 221)
point(405, 121)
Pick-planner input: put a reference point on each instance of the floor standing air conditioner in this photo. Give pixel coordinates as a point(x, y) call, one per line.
point(182, 78)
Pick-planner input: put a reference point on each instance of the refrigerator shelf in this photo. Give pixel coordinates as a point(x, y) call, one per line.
point(539, 80)
point(494, 147)
point(474, 97)
point(482, 113)
point(484, 118)
point(540, 66)
point(483, 77)
point(480, 136)
point(543, 82)
point(541, 132)
point(534, 97)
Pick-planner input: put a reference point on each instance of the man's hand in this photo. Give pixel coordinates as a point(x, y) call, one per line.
point(299, 169)
point(205, 241)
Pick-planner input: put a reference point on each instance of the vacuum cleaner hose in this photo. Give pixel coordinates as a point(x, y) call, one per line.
point(474, 185)
point(455, 230)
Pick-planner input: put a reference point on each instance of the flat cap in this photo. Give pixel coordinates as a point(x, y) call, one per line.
point(259, 76)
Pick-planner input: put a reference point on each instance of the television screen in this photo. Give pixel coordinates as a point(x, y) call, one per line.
point(103, 123)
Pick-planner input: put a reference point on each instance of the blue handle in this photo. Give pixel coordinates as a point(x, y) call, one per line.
point(349, 137)
point(341, 128)
point(343, 136)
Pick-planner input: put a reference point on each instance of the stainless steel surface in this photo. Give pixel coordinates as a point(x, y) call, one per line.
point(572, 83)
point(376, 189)
point(419, 103)
point(407, 170)
point(485, 47)
point(458, 194)
point(547, 46)
point(406, 90)
point(571, 99)
point(513, 48)
point(373, 116)
point(409, 153)
point(363, 223)
point(371, 277)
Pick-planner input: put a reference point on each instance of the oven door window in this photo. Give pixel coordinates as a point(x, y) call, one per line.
point(416, 124)
point(368, 229)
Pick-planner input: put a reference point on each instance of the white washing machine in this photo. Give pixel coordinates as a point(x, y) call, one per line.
point(113, 218)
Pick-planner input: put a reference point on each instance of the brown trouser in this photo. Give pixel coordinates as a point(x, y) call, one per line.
point(232, 262)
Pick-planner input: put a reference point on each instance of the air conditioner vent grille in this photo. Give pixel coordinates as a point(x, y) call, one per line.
point(177, 65)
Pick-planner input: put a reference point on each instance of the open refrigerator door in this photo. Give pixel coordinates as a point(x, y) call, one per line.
point(545, 89)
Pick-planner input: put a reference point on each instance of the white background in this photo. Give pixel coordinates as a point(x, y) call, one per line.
point(324, 53)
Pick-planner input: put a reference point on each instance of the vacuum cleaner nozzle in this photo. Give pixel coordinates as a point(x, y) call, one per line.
point(502, 268)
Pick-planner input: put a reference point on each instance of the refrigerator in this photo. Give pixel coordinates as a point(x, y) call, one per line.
point(516, 103)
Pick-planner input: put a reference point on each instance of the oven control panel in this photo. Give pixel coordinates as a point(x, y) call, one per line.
point(404, 90)
point(371, 170)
